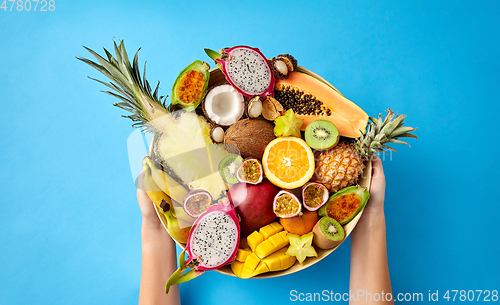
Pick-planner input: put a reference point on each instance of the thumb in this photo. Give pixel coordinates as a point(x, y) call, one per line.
point(377, 186)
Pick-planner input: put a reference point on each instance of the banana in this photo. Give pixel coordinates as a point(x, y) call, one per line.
point(157, 195)
point(166, 183)
point(177, 228)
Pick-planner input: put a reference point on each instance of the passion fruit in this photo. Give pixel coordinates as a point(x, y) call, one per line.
point(286, 204)
point(250, 171)
point(314, 195)
point(196, 202)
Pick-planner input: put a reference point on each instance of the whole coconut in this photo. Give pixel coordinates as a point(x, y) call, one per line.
point(249, 137)
point(254, 204)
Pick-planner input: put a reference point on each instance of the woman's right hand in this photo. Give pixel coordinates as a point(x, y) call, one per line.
point(375, 204)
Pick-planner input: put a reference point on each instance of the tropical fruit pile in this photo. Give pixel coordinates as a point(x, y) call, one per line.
point(254, 164)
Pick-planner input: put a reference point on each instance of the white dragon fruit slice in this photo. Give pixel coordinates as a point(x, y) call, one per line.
point(212, 243)
point(214, 240)
point(248, 70)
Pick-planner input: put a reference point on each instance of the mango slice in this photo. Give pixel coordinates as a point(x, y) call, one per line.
point(254, 240)
point(270, 229)
point(279, 260)
point(266, 252)
point(242, 254)
point(272, 244)
point(261, 268)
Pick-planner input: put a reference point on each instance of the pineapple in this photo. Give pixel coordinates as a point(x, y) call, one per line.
point(183, 145)
point(341, 166)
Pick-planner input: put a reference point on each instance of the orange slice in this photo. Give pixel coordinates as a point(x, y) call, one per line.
point(288, 162)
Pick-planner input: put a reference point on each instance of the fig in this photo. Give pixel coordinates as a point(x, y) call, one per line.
point(254, 204)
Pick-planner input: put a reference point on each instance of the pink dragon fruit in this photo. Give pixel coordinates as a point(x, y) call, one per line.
point(212, 243)
point(246, 69)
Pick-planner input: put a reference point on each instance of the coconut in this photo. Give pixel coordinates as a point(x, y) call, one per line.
point(223, 105)
point(249, 137)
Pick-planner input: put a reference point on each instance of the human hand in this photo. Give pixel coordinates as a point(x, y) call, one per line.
point(149, 218)
point(375, 204)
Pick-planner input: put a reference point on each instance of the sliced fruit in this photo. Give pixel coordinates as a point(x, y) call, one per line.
point(327, 233)
point(191, 84)
point(250, 171)
point(288, 125)
point(237, 268)
point(272, 244)
point(242, 254)
point(286, 204)
point(228, 167)
point(344, 205)
point(301, 246)
point(314, 195)
point(261, 268)
point(288, 162)
point(254, 240)
point(197, 202)
point(270, 229)
point(321, 135)
point(312, 99)
point(223, 105)
point(279, 260)
point(300, 224)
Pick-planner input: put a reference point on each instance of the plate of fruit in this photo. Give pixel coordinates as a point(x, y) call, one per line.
point(258, 167)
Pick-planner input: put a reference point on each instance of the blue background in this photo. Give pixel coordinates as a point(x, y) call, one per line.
point(69, 220)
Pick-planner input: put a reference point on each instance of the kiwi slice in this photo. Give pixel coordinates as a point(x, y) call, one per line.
point(228, 167)
point(328, 233)
point(321, 135)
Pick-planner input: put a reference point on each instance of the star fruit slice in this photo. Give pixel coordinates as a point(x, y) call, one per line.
point(288, 125)
point(300, 246)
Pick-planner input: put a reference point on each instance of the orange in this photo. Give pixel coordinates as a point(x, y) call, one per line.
point(301, 224)
point(288, 162)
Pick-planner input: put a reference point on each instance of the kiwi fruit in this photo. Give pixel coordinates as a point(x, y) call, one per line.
point(321, 135)
point(328, 233)
point(228, 167)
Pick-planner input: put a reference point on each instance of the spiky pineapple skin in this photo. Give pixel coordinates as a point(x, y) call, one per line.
point(338, 167)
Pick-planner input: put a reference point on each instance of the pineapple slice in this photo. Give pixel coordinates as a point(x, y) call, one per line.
point(186, 148)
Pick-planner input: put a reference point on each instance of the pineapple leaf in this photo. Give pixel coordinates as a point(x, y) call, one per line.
point(134, 92)
point(398, 132)
point(383, 131)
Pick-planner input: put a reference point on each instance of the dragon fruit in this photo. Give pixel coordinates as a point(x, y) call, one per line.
point(246, 69)
point(212, 243)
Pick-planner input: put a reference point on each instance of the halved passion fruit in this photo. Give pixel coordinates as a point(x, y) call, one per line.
point(250, 171)
point(196, 202)
point(344, 205)
point(286, 204)
point(314, 195)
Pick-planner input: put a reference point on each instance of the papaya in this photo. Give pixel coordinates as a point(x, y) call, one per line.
point(311, 99)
